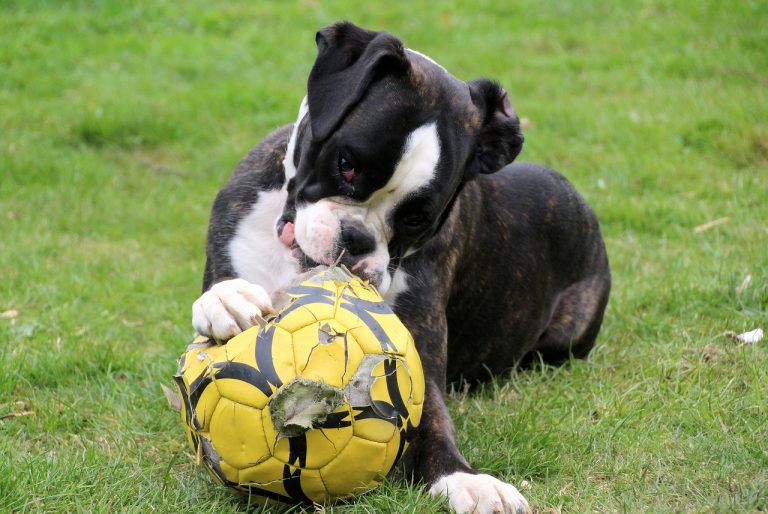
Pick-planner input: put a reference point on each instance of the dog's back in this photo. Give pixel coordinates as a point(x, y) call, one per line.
point(532, 274)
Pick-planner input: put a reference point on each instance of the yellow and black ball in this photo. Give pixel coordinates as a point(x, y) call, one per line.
point(318, 404)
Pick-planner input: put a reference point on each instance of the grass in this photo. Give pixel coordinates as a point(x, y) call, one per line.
point(120, 120)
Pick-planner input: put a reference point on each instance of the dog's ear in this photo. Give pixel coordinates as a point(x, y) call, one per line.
point(348, 59)
point(499, 139)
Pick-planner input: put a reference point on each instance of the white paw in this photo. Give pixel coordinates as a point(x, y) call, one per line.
point(479, 494)
point(228, 308)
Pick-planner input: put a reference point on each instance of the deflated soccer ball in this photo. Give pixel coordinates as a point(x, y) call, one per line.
point(318, 404)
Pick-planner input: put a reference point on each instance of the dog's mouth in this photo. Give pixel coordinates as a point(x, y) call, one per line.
point(285, 228)
point(285, 233)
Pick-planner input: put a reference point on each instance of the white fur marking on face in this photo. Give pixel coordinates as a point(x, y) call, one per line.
point(318, 224)
point(416, 169)
point(288, 166)
point(255, 252)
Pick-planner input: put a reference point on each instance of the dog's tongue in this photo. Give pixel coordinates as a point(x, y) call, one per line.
point(286, 235)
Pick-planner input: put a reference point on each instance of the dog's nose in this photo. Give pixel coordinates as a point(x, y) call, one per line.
point(355, 241)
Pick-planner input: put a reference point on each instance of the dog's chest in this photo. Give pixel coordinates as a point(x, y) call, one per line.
point(255, 252)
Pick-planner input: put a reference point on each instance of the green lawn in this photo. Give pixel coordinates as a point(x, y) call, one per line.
point(119, 121)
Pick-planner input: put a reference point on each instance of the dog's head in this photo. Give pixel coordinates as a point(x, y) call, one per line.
point(383, 141)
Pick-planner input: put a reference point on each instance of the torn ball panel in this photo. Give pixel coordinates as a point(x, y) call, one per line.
point(302, 405)
point(316, 304)
point(371, 337)
point(325, 351)
point(391, 389)
point(314, 448)
point(391, 402)
point(374, 325)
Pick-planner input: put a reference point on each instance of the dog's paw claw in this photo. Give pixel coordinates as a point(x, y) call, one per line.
point(480, 494)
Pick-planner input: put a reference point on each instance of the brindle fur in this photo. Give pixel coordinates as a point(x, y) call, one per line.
point(518, 270)
point(481, 301)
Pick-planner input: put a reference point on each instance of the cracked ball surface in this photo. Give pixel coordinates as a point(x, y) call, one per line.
point(335, 370)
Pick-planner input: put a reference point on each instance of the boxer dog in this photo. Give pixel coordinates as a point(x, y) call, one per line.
point(401, 172)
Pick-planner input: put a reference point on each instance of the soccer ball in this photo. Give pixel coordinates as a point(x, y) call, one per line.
point(318, 404)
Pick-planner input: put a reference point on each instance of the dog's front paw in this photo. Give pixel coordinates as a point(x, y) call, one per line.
point(479, 494)
point(228, 308)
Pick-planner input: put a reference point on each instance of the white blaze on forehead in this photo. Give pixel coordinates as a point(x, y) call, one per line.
point(415, 170)
point(288, 166)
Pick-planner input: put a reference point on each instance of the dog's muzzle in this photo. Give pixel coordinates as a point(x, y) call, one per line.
point(355, 250)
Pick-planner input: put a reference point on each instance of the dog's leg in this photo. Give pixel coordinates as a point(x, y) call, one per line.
point(576, 319)
point(434, 456)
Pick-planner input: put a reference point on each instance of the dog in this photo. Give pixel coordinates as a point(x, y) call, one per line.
point(404, 174)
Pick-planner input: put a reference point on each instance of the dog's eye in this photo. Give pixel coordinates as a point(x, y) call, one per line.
point(346, 170)
point(413, 220)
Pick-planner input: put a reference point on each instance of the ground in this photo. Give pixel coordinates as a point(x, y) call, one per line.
point(119, 121)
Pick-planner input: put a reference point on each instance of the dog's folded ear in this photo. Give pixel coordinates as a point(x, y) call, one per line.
point(348, 59)
point(499, 139)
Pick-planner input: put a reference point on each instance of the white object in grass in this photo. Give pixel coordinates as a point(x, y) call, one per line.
point(751, 337)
